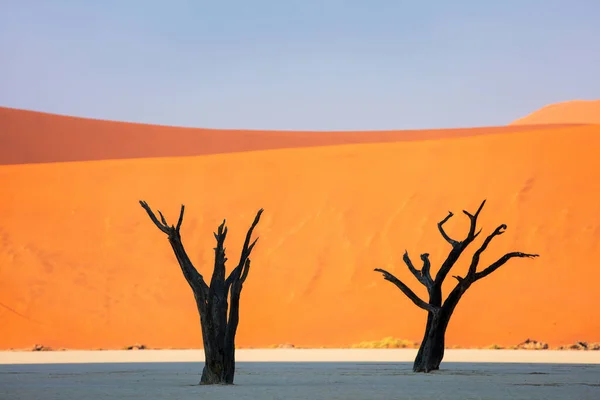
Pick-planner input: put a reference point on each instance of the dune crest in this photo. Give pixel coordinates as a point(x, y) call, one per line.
point(568, 112)
point(36, 137)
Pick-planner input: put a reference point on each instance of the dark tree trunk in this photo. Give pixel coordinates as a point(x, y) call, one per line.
point(431, 350)
point(219, 349)
point(218, 367)
point(218, 329)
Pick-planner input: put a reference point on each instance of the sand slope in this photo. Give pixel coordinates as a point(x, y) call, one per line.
point(568, 112)
point(34, 137)
point(81, 265)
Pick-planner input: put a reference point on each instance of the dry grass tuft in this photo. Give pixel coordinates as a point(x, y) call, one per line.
point(531, 344)
point(386, 343)
point(136, 346)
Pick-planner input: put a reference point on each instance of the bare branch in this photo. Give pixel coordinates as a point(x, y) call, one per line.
point(190, 273)
point(411, 267)
point(501, 262)
point(245, 271)
point(223, 232)
point(180, 221)
point(164, 228)
point(192, 276)
point(162, 218)
point(422, 275)
point(475, 261)
point(244, 263)
point(426, 267)
point(473, 218)
point(458, 249)
point(477, 212)
point(218, 276)
point(252, 246)
point(247, 249)
point(448, 239)
point(406, 290)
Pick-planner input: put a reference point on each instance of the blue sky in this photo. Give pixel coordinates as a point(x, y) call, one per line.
point(299, 65)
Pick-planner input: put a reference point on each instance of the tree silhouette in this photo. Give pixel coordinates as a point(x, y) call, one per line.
point(431, 350)
point(218, 330)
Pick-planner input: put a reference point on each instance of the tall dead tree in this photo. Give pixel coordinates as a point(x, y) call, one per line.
point(431, 350)
point(218, 329)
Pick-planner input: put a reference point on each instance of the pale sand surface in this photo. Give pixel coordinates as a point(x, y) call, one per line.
point(298, 355)
point(304, 380)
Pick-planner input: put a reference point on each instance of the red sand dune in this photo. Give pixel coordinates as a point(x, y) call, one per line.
point(81, 265)
point(568, 112)
point(34, 137)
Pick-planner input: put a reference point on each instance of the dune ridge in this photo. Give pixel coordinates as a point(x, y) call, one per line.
point(82, 267)
point(567, 112)
point(36, 137)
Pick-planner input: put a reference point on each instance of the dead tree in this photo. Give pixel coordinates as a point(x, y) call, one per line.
point(431, 350)
point(218, 331)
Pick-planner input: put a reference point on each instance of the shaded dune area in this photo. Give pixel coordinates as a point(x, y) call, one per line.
point(35, 137)
point(81, 265)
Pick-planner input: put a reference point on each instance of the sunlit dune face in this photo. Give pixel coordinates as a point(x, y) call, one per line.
point(81, 265)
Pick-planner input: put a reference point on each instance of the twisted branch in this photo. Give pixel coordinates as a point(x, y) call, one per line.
point(406, 290)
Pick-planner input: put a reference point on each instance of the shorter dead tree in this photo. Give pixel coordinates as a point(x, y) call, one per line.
point(218, 329)
point(431, 350)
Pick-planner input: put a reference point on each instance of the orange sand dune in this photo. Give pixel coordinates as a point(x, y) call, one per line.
point(81, 265)
point(34, 137)
point(568, 112)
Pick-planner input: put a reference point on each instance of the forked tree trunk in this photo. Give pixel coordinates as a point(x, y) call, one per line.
point(219, 365)
point(219, 344)
point(218, 328)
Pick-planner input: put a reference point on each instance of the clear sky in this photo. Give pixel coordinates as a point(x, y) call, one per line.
point(299, 64)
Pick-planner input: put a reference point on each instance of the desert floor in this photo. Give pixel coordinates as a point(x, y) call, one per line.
point(349, 374)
